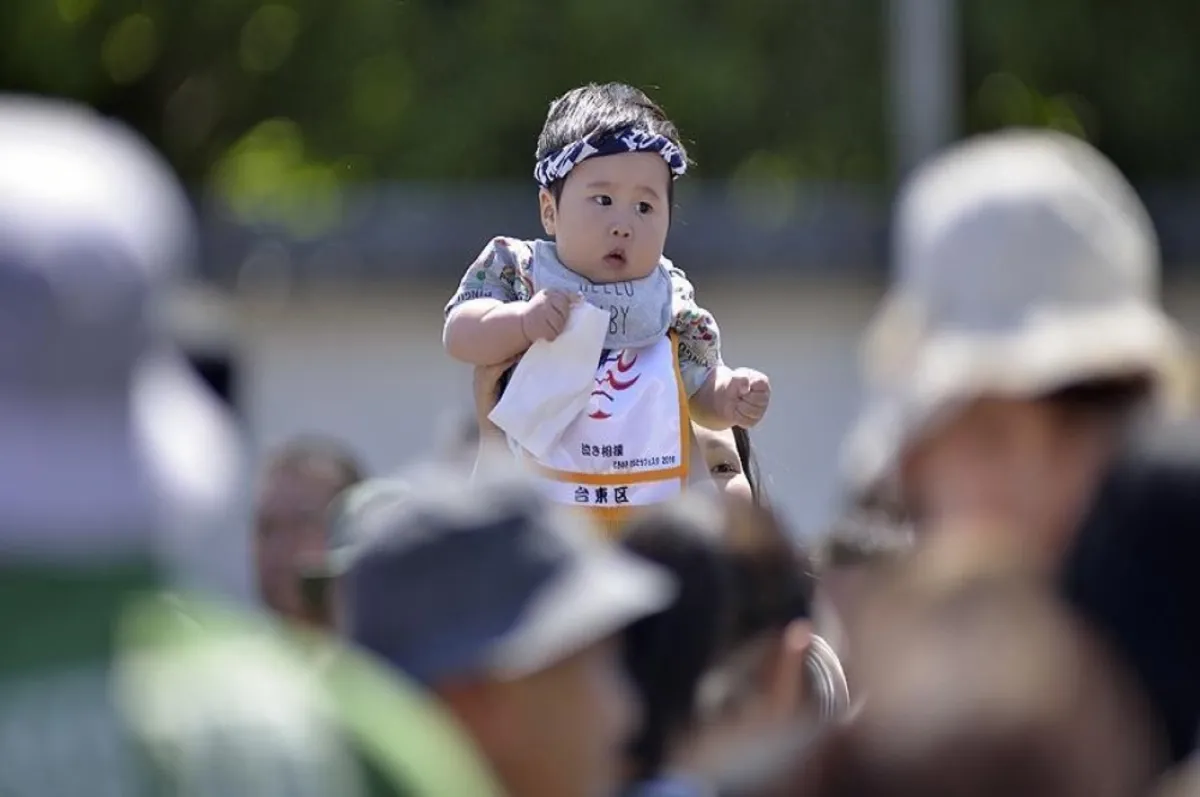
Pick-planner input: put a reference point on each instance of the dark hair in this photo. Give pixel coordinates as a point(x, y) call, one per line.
point(601, 108)
point(745, 452)
point(739, 576)
point(666, 654)
point(317, 452)
point(1113, 398)
point(773, 576)
point(314, 451)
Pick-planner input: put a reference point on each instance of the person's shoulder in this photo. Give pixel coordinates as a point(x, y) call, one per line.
point(504, 250)
point(407, 733)
point(218, 697)
point(216, 664)
point(678, 276)
point(199, 677)
point(684, 309)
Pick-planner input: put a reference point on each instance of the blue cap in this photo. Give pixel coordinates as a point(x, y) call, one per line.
point(485, 576)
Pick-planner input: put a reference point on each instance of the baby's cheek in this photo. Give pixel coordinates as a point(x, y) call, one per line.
point(738, 487)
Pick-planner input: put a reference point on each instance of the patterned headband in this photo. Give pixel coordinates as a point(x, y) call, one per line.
point(560, 162)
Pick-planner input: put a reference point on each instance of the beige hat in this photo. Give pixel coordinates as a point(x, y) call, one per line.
point(1025, 262)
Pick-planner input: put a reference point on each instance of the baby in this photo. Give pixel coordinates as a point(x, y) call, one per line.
point(607, 159)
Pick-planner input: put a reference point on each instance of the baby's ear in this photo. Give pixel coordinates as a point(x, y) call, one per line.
point(548, 211)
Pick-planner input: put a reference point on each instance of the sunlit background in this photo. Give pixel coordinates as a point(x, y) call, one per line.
point(350, 157)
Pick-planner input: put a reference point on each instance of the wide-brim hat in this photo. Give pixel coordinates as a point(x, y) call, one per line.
point(1024, 263)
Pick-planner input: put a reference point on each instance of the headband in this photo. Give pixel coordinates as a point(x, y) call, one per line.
point(560, 162)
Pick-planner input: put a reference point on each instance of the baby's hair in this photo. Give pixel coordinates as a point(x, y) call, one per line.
point(601, 108)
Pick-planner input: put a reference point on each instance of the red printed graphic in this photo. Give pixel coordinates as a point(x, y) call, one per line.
point(612, 380)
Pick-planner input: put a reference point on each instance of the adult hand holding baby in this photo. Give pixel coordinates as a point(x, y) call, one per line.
point(486, 388)
point(544, 316)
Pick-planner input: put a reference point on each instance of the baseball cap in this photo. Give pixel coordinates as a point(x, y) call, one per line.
point(485, 576)
point(1024, 263)
point(347, 514)
point(107, 437)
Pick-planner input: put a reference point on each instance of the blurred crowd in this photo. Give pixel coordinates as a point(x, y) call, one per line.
point(1006, 607)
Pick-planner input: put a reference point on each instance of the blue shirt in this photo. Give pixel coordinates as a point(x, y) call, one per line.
point(670, 786)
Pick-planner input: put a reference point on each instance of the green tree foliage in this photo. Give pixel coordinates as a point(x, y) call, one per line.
point(1126, 76)
point(281, 104)
point(282, 97)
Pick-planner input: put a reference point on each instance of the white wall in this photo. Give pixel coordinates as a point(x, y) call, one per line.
point(368, 367)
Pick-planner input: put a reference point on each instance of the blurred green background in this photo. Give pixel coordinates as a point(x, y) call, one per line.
point(263, 101)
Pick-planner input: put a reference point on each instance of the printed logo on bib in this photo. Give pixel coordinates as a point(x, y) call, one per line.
point(615, 378)
point(628, 447)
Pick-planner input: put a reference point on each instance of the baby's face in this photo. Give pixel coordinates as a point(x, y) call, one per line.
point(610, 224)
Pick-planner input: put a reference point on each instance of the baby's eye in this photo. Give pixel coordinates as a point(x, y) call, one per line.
point(724, 469)
point(602, 199)
point(645, 207)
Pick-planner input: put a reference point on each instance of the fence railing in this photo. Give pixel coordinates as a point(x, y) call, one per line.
point(423, 231)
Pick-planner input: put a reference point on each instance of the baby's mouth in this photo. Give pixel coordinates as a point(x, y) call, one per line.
point(616, 259)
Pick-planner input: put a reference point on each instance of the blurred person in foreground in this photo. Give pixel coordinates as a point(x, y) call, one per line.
point(300, 481)
point(734, 659)
point(982, 684)
point(322, 574)
point(850, 555)
point(1023, 376)
point(115, 463)
point(1021, 336)
point(508, 608)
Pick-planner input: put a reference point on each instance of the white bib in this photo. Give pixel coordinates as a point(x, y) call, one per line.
point(629, 448)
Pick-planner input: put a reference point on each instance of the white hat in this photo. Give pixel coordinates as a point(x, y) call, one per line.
point(108, 441)
point(1025, 262)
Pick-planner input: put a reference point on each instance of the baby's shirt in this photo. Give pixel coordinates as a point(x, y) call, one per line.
point(503, 272)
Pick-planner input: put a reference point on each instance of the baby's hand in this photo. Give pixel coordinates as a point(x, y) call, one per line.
point(743, 399)
point(544, 317)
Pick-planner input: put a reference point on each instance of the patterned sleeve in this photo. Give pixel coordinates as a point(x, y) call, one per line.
point(699, 336)
point(500, 272)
